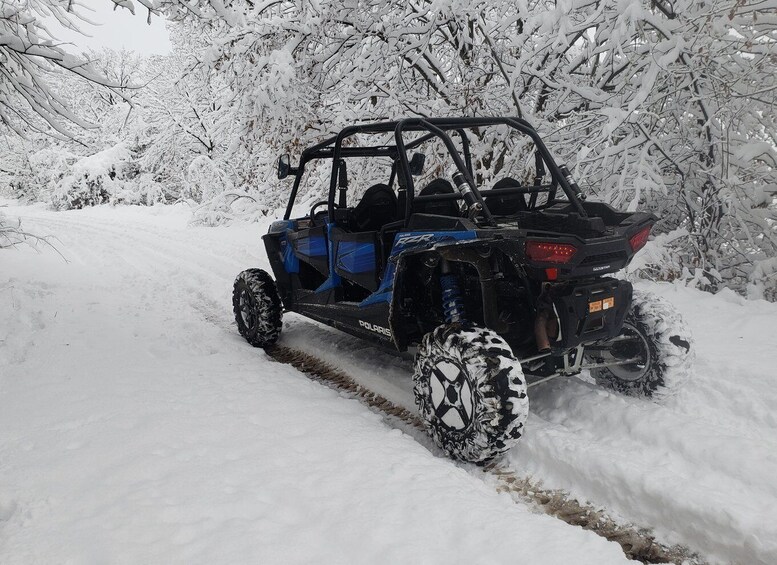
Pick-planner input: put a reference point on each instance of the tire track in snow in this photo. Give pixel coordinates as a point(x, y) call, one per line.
point(636, 543)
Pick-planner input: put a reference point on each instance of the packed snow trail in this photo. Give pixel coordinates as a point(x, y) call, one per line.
point(699, 469)
point(137, 427)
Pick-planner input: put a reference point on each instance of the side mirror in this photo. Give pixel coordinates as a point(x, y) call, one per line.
point(417, 164)
point(284, 166)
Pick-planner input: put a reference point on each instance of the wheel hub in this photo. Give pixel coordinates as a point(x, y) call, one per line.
point(451, 395)
point(634, 347)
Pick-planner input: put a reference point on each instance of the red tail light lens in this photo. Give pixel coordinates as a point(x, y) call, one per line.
point(549, 252)
point(639, 239)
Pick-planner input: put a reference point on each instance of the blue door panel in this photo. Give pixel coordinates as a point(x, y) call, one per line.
point(311, 246)
point(356, 257)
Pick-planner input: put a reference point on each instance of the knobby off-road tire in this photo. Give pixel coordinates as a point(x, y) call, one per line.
point(257, 307)
point(470, 392)
point(660, 338)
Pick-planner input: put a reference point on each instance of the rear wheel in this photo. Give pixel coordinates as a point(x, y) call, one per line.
point(651, 356)
point(257, 307)
point(470, 392)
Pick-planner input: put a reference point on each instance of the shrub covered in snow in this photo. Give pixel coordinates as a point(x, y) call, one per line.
point(89, 179)
point(762, 282)
point(227, 207)
point(664, 258)
point(658, 260)
point(205, 180)
point(31, 168)
point(109, 176)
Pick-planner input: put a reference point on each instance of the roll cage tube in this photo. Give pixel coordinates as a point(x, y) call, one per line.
point(555, 172)
point(336, 170)
point(294, 189)
point(332, 148)
point(465, 149)
point(460, 165)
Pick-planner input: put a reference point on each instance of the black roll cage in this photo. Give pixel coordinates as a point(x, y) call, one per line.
point(332, 148)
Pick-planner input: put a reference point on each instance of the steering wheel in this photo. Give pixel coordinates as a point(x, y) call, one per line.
point(318, 205)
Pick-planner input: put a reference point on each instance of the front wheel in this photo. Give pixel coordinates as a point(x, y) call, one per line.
point(651, 356)
point(257, 307)
point(470, 392)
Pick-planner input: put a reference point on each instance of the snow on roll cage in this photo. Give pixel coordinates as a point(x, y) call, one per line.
point(554, 252)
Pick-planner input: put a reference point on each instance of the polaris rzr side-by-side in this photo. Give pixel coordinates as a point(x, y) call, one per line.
point(497, 289)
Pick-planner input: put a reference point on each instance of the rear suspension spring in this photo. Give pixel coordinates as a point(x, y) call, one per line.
point(452, 301)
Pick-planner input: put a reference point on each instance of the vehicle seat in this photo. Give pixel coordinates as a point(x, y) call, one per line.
point(441, 208)
point(506, 204)
point(378, 207)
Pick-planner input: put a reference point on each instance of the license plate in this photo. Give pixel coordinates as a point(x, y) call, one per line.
point(603, 304)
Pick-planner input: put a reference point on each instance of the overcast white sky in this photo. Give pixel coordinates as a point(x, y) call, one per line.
point(118, 29)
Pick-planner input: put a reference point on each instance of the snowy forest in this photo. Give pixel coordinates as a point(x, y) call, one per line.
point(185, 377)
point(654, 105)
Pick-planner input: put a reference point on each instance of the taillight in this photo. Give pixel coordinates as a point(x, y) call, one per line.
point(639, 239)
point(549, 252)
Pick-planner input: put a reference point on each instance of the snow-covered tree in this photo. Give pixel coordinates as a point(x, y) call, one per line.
point(661, 105)
point(657, 105)
point(672, 110)
point(188, 115)
point(30, 56)
point(104, 163)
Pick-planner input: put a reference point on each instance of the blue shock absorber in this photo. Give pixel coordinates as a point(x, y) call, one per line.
point(452, 302)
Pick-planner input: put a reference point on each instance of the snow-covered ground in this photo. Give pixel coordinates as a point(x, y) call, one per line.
point(136, 426)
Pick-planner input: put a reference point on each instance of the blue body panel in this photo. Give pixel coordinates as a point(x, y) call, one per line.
point(411, 240)
point(354, 257)
point(285, 227)
point(359, 257)
point(312, 246)
point(334, 279)
point(290, 260)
